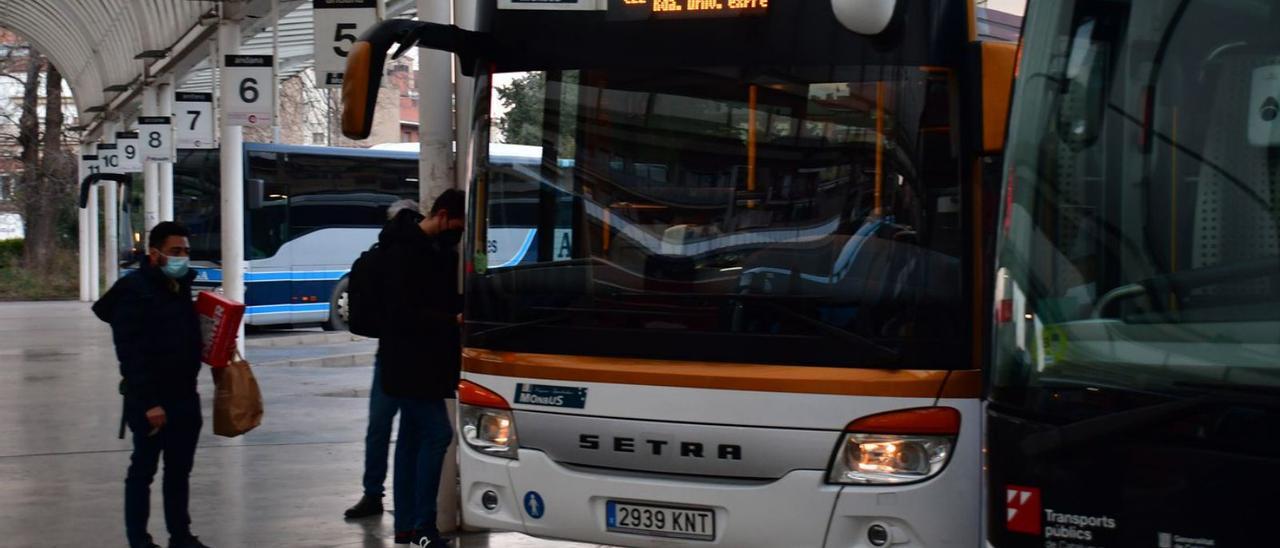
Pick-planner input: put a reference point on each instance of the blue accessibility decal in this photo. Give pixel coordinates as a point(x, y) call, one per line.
point(533, 505)
point(551, 396)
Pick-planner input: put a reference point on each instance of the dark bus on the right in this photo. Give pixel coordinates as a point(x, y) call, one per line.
point(1135, 398)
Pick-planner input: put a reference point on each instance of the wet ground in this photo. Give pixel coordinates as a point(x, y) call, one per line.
point(285, 484)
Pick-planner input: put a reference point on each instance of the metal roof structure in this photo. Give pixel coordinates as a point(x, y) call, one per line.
point(296, 44)
point(107, 50)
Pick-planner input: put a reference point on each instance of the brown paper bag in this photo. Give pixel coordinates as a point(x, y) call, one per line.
point(237, 402)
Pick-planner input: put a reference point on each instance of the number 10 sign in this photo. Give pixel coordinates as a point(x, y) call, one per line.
point(248, 90)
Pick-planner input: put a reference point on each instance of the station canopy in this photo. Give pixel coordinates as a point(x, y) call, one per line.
point(108, 49)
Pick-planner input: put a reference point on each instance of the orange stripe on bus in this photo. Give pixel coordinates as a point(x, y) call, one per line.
point(904, 383)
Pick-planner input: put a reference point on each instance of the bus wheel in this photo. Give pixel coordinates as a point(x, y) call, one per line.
point(339, 313)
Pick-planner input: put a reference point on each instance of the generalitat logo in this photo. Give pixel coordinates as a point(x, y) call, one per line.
point(1022, 509)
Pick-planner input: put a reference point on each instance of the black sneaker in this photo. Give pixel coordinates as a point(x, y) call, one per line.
point(189, 542)
point(368, 506)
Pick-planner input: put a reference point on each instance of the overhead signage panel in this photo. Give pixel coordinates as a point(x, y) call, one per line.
point(338, 24)
point(130, 156)
point(555, 5)
point(89, 165)
point(109, 158)
point(156, 138)
point(248, 90)
point(194, 124)
point(629, 10)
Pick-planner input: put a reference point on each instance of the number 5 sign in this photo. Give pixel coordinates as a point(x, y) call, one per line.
point(338, 24)
point(248, 90)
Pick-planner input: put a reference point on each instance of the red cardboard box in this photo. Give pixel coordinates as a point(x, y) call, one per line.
point(219, 324)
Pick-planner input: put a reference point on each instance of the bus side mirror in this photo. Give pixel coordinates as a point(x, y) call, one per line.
point(92, 179)
point(867, 17)
point(998, 60)
point(363, 74)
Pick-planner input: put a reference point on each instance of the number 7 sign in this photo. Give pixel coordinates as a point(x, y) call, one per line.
point(193, 119)
point(338, 24)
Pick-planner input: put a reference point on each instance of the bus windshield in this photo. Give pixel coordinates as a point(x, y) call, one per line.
point(791, 215)
point(1141, 227)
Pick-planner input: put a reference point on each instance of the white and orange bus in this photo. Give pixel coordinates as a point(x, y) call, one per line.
point(752, 308)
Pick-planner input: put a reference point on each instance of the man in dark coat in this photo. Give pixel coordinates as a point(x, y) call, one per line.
point(157, 338)
point(420, 353)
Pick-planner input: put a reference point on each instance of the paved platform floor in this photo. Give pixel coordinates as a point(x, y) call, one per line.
point(284, 484)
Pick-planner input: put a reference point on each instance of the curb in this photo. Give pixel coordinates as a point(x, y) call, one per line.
point(306, 339)
point(342, 360)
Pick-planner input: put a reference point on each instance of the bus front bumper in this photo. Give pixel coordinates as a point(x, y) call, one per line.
point(798, 509)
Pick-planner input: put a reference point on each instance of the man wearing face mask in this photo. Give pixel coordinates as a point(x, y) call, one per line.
point(157, 338)
point(420, 354)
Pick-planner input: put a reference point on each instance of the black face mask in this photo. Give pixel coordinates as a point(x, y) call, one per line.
point(451, 237)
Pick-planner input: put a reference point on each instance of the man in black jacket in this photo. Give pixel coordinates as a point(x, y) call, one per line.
point(157, 338)
point(420, 353)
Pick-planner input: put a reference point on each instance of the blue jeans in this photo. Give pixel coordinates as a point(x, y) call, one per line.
point(377, 438)
point(421, 445)
point(177, 442)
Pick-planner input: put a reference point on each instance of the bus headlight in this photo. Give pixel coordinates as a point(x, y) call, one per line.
point(485, 421)
point(897, 447)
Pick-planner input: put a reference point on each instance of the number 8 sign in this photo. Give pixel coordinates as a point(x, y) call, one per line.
point(247, 89)
point(156, 138)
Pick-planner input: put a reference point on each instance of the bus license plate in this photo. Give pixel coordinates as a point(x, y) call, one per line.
point(663, 521)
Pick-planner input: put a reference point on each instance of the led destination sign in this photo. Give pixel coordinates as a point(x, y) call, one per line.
point(685, 9)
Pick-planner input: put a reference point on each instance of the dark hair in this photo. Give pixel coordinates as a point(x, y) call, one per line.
point(162, 231)
point(453, 201)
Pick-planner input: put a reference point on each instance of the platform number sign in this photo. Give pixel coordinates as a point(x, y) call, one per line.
point(338, 24)
point(109, 158)
point(248, 90)
point(155, 138)
point(129, 151)
point(89, 165)
point(193, 120)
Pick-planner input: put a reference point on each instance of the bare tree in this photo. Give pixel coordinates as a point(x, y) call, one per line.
point(51, 193)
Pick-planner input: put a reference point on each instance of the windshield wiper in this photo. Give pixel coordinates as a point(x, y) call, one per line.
point(1113, 424)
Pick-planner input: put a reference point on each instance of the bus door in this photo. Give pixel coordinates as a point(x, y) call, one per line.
point(268, 285)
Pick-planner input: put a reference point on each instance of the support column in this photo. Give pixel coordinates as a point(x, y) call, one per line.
point(165, 169)
point(111, 229)
point(435, 110)
point(83, 228)
point(232, 165)
point(95, 246)
point(464, 14)
point(150, 174)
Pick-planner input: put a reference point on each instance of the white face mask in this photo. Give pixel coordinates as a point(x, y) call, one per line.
point(175, 267)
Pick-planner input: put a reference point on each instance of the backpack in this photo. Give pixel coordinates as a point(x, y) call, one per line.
point(365, 293)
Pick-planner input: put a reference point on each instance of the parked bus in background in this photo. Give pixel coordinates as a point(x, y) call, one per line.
point(1135, 396)
point(754, 305)
point(309, 212)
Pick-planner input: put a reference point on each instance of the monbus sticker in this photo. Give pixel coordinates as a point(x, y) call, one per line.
point(551, 396)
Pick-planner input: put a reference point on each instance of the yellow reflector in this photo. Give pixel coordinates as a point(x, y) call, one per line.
point(357, 112)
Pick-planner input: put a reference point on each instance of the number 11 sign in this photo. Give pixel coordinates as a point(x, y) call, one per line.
point(193, 118)
point(248, 90)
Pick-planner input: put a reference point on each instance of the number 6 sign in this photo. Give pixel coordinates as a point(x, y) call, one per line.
point(338, 24)
point(247, 85)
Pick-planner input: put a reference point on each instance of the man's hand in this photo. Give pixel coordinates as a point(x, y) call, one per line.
point(459, 318)
point(156, 417)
